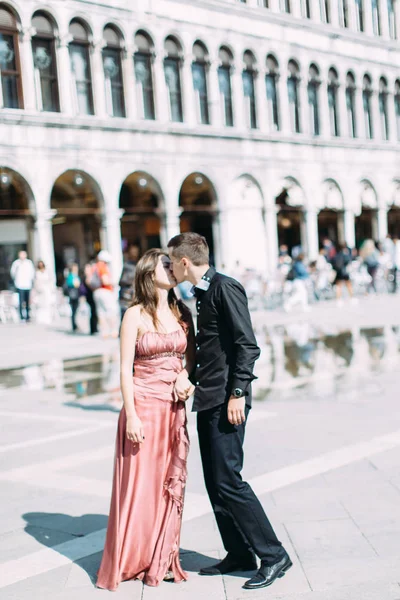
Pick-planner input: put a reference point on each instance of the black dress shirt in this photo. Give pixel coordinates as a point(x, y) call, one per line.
point(226, 348)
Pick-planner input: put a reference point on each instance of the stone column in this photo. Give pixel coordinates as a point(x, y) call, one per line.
point(376, 116)
point(359, 112)
point(311, 225)
point(98, 79)
point(188, 95)
point(214, 100)
point(384, 15)
point(315, 10)
point(342, 110)
point(161, 97)
point(172, 222)
point(397, 19)
point(129, 82)
point(392, 117)
point(271, 227)
point(111, 224)
point(27, 68)
point(296, 9)
point(283, 100)
point(275, 7)
point(349, 228)
point(43, 240)
point(368, 25)
point(261, 102)
point(65, 75)
point(325, 126)
point(334, 8)
point(352, 17)
point(382, 219)
point(304, 108)
point(238, 95)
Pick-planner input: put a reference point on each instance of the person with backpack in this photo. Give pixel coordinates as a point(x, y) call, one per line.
point(71, 290)
point(104, 296)
point(370, 255)
point(127, 279)
point(341, 263)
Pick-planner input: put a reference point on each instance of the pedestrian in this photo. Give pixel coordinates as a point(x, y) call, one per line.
point(126, 282)
point(44, 294)
point(104, 296)
point(152, 444)
point(226, 351)
point(370, 257)
point(330, 250)
point(341, 263)
point(23, 276)
point(72, 286)
point(298, 276)
point(87, 291)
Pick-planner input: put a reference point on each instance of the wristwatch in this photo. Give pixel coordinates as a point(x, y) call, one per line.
point(238, 393)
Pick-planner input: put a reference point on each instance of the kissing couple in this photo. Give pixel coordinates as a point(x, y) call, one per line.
point(169, 363)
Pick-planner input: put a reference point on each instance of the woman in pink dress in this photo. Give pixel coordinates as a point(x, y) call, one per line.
point(152, 444)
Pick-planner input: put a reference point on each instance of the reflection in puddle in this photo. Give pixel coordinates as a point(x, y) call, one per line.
point(297, 360)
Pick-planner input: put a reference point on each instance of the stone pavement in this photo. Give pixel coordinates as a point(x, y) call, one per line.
point(322, 452)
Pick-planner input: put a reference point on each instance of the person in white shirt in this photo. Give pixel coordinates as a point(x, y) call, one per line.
point(23, 275)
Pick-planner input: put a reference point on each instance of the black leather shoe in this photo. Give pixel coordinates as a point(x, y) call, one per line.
point(267, 574)
point(230, 564)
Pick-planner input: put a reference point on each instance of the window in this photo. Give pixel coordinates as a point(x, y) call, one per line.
point(313, 99)
point(172, 70)
point(80, 67)
point(144, 76)
point(376, 17)
point(383, 108)
point(264, 3)
point(285, 6)
point(351, 104)
point(44, 60)
point(306, 9)
point(333, 86)
point(10, 68)
point(199, 74)
point(293, 93)
point(344, 13)
point(325, 11)
point(359, 15)
point(393, 7)
point(112, 65)
point(397, 106)
point(225, 86)
point(272, 95)
point(248, 76)
point(367, 96)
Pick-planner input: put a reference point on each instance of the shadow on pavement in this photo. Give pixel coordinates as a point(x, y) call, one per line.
point(193, 561)
point(95, 407)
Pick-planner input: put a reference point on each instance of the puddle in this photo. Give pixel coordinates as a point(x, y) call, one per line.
point(296, 360)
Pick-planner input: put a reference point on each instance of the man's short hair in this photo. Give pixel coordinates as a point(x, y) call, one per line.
point(192, 246)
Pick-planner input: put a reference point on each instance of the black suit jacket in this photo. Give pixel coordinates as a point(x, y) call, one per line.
point(226, 348)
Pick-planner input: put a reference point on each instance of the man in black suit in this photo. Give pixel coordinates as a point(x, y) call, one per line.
point(226, 351)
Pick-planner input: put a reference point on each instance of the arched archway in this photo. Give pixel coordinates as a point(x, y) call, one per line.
point(77, 224)
point(367, 220)
point(331, 217)
point(141, 199)
point(290, 202)
point(198, 201)
point(17, 212)
point(394, 211)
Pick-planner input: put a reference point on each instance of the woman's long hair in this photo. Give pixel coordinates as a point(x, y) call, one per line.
point(146, 293)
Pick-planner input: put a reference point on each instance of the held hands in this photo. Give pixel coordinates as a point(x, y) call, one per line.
point(134, 430)
point(236, 414)
point(183, 387)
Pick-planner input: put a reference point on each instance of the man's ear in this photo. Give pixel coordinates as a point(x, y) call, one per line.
point(185, 262)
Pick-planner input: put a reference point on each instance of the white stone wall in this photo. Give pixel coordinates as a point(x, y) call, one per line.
point(246, 167)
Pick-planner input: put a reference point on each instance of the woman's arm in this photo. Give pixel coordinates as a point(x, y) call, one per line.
point(129, 333)
point(183, 382)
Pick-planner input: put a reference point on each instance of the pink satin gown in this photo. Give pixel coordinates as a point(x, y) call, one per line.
point(145, 519)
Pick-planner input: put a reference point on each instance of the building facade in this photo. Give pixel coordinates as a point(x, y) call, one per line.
point(255, 123)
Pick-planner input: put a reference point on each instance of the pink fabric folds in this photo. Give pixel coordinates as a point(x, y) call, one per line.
point(145, 519)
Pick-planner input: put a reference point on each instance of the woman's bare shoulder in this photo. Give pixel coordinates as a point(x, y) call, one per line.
point(132, 315)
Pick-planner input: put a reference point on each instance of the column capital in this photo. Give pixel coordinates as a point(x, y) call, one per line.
point(63, 41)
point(44, 217)
point(27, 33)
point(111, 215)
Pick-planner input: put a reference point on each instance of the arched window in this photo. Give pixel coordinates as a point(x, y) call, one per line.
point(383, 108)
point(44, 60)
point(351, 104)
point(397, 106)
point(112, 65)
point(344, 13)
point(360, 15)
point(144, 76)
point(248, 76)
point(80, 67)
point(314, 83)
point(272, 94)
point(367, 96)
point(199, 74)
point(293, 92)
point(225, 86)
point(393, 7)
point(333, 86)
point(305, 9)
point(285, 6)
point(172, 70)
point(325, 11)
point(10, 67)
point(376, 17)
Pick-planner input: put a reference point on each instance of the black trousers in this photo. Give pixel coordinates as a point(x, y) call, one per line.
point(242, 522)
point(24, 300)
point(74, 302)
